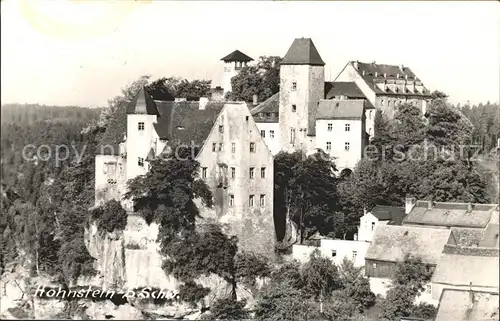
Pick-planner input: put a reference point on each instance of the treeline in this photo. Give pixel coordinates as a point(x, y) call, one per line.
point(486, 121)
point(26, 114)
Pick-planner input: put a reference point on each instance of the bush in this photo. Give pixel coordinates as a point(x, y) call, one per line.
point(192, 293)
point(110, 217)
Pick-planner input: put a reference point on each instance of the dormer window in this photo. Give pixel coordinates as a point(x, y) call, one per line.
point(140, 125)
point(294, 85)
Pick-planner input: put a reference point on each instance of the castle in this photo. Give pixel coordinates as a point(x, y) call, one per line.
point(237, 143)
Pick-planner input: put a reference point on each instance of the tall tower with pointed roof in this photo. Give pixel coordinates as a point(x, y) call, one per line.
point(302, 79)
point(142, 113)
point(232, 66)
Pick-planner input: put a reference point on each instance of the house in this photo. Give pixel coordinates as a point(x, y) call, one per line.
point(379, 215)
point(266, 116)
point(389, 246)
point(386, 86)
point(234, 160)
point(466, 305)
point(233, 63)
point(447, 215)
point(466, 268)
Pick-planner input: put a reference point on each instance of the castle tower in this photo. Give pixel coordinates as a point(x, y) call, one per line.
point(232, 66)
point(142, 113)
point(302, 81)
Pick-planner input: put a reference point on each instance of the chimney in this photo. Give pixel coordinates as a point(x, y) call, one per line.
point(402, 68)
point(203, 103)
point(397, 75)
point(429, 205)
point(409, 204)
point(363, 72)
point(469, 207)
point(385, 75)
point(356, 64)
point(376, 74)
point(255, 99)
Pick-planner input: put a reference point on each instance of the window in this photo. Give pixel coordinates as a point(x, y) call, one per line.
point(262, 172)
point(334, 253)
point(263, 133)
point(221, 129)
point(246, 118)
point(204, 172)
point(140, 161)
point(271, 133)
point(252, 147)
point(233, 172)
point(347, 127)
point(370, 114)
point(373, 226)
point(354, 254)
point(369, 131)
point(214, 147)
point(231, 200)
point(428, 289)
point(294, 85)
point(382, 102)
point(294, 108)
point(262, 200)
point(250, 200)
point(330, 127)
point(346, 146)
point(328, 145)
point(221, 147)
point(140, 125)
point(292, 135)
point(252, 172)
point(233, 147)
point(374, 265)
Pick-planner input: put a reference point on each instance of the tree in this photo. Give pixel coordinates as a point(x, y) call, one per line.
point(320, 276)
point(355, 285)
point(109, 217)
point(261, 79)
point(227, 309)
point(436, 94)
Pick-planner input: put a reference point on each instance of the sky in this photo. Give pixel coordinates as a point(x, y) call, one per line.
point(83, 52)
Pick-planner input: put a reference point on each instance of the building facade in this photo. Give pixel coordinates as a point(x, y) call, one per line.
point(233, 63)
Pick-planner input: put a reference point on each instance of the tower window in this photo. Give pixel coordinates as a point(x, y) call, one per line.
point(370, 114)
point(262, 200)
point(330, 127)
point(204, 172)
point(233, 147)
point(262, 172)
point(252, 147)
point(140, 125)
point(140, 161)
point(328, 145)
point(251, 200)
point(214, 147)
point(271, 133)
point(347, 127)
point(294, 108)
point(263, 133)
point(252, 172)
point(231, 200)
point(346, 146)
point(373, 226)
point(233, 172)
point(292, 135)
point(221, 129)
point(334, 253)
point(221, 147)
point(246, 118)
point(294, 85)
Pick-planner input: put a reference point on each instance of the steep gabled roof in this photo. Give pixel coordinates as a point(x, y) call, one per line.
point(237, 56)
point(340, 109)
point(142, 103)
point(391, 243)
point(303, 52)
point(457, 305)
point(389, 213)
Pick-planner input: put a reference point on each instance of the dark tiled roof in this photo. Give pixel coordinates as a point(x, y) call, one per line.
point(267, 111)
point(114, 134)
point(185, 122)
point(456, 305)
point(391, 243)
point(237, 56)
point(460, 266)
point(344, 88)
point(142, 99)
point(389, 213)
point(151, 155)
point(340, 109)
point(302, 52)
point(451, 214)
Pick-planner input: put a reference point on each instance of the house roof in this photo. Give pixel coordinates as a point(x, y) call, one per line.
point(142, 103)
point(394, 214)
point(391, 243)
point(237, 56)
point(267, 111)
point(302, 52)
point(457, 305)
point(462, 265)
point(344, 88)
point(375, 73)
point(184, 122)
point(450, 214)
point(340, 109)
point(490, 236)
point(467, 236)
